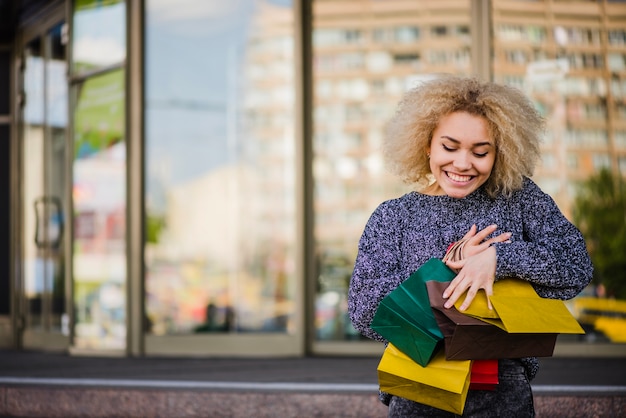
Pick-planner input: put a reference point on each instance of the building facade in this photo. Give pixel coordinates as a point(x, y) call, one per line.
point(192, 177)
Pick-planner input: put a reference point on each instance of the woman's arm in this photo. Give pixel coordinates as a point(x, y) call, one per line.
point(376, 270)
point(552, 253)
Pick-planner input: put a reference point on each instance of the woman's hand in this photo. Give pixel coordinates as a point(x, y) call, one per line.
point(477, 243)
point(477, 268)
point(478, 272)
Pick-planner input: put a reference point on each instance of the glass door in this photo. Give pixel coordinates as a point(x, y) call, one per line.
point(43, 173)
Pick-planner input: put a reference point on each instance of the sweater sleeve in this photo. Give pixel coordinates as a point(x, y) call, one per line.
point(551, 253)
point(376, 271)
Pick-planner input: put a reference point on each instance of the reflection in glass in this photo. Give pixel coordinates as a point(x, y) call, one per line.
point(99, 192)
point(220, 156)
point(99, 34)
point(44, 182)
point(57, 183)
point(37, 272)
point(559, 61)
point(366, 54)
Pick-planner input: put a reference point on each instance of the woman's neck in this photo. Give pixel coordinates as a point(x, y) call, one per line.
point(433, 189)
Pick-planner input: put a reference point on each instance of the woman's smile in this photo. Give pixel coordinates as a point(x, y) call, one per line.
point(459, 178)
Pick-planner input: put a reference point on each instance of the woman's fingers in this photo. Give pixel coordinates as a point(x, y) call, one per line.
point(479, 241)
point(470, 233)
point(456, 292)
point(455, 265)
point(503, 237)
point(478, 272)
point(456, 288)
point(481, 235)
point(471, 295)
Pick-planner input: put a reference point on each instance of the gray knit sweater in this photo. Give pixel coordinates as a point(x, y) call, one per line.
point(402, 234)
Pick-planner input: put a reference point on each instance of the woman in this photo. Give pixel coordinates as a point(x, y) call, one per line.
point(470, 147)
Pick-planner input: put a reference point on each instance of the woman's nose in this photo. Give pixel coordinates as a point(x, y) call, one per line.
point(462, 161)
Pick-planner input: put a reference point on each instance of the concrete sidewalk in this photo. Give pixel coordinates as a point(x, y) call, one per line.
point(34, 384)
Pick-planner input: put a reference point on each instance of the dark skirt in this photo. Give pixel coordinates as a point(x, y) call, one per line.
point(513, 398)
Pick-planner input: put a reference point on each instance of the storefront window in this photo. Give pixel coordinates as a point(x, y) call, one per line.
point(99, 175)
point(559, 61)
point(366, 54)
point(220, 178)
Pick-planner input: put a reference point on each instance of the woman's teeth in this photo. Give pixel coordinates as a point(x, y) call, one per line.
point(456, 177)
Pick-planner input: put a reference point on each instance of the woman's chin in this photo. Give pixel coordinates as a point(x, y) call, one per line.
point(457, 192)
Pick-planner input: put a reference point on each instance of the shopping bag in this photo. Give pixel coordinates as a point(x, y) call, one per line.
point(484, 375)
point(517, 308)
point(404, 317)
point(469, 338)
point(418, 343)
point(442, 384)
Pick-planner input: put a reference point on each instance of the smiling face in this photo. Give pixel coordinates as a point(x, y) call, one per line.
point(462, 154)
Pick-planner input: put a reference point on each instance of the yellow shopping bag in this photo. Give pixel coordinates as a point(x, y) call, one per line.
point(442, 383)
point(517, 308)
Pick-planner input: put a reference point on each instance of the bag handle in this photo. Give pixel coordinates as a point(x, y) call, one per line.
point(455, 251)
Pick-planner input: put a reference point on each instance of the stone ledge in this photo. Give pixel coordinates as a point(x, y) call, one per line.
point(580, 406)
point(80, 402)
point(69, 402)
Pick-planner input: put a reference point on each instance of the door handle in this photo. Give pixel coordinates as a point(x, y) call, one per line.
point(48, 222)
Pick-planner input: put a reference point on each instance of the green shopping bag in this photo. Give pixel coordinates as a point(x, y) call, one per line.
point(405, 318)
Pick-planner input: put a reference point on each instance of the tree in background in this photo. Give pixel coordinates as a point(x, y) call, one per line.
point(600, 213)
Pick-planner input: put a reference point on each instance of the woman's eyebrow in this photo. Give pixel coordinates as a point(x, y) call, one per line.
point(456, 141)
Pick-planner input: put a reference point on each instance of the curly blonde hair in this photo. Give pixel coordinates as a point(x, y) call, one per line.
point(512, 120)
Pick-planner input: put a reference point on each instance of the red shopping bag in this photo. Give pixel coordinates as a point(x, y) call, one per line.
point(484, 375)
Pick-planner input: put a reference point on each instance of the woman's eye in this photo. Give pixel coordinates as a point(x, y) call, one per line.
point(481, 154)
point(447, 148)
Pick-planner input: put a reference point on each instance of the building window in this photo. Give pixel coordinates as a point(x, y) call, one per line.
point(407, 34)
point(439, 31)
point(616, 61)
point(601, 161)
point(406, 59)
point(516, 57)
point(617, 37)
point(337, 37)
point(511, 33)
point(620, 140)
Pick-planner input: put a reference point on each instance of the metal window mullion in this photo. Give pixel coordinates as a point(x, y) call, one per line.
point(481, 23)
point(135, 163)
